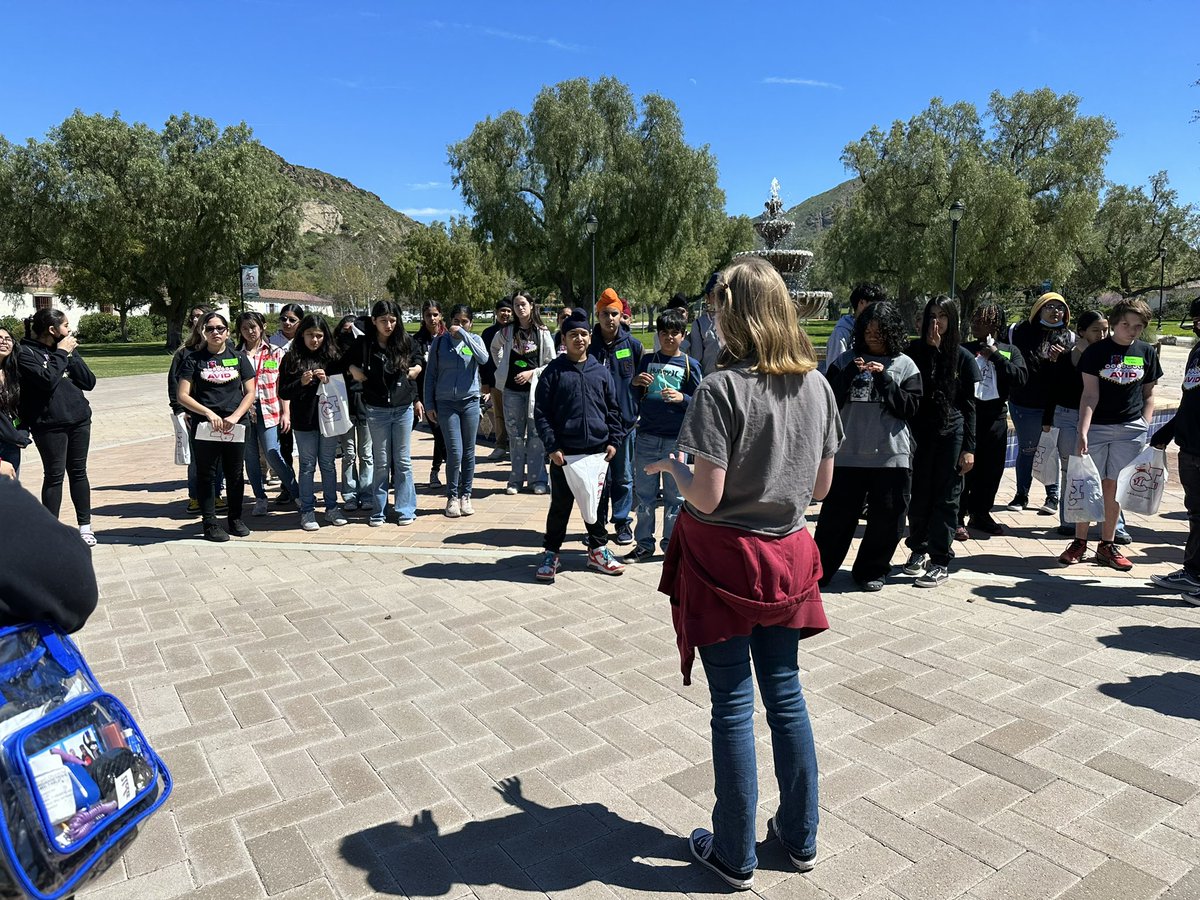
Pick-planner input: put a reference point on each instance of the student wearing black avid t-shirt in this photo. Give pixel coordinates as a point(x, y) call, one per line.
point(216, 385)
point(1119, 374)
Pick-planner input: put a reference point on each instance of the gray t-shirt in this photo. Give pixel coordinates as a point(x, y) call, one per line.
point(769, 433)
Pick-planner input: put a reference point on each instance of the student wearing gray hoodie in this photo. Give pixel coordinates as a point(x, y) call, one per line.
point(842, 338)
point(878, 391)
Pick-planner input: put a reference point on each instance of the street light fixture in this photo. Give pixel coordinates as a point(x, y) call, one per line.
point(1162, 277)
point(957, 208)
point(592, 225)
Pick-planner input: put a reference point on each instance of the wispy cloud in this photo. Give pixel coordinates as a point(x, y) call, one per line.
point(803, 82)
point(503, 35)
point(425, 185)
point(429, 212)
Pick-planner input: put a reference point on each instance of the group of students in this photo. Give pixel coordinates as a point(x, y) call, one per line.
point(43, 382)
point(927, 425)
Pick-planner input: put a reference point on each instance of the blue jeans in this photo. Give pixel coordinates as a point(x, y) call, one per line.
point(727, 668)
point(647, 449)
point(316, 449)
point(391, 435)
point(620, 484)
point(268, 440)
point(1027, 422)
point(459, 422)
point(524, 445)
point(356, 464)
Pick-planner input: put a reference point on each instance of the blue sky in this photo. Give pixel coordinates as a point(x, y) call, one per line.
point(373, 91)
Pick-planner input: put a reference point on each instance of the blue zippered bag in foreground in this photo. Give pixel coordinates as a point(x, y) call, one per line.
point(77, 776)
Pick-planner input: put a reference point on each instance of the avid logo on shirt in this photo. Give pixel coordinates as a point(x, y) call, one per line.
point(1123, 369)
point(220, 371)
point(1191, 378)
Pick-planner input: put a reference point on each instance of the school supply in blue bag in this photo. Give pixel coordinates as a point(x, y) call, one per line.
point(77, 776)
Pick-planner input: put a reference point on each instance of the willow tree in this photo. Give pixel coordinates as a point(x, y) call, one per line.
point(587, 148)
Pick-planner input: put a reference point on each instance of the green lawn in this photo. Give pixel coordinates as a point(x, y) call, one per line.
point(111, 360)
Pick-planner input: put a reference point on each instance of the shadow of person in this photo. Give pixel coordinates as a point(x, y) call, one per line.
point(1183, 643)
point(1050, 594)
point(536, 848)
point(1171, 693)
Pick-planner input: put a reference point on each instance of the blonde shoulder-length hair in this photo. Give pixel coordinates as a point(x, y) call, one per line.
point(758, 320)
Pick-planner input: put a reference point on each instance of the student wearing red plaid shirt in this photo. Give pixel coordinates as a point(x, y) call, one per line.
point(269, 414)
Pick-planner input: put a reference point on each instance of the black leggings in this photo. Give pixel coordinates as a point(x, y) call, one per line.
point(933, 510)
point(212, 457)
point(64, 451)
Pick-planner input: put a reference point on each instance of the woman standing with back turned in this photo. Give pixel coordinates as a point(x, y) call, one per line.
point(742, 568)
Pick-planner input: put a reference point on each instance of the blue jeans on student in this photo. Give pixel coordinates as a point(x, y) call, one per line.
point(356, 465)
point(731, 687)
point(317, 450)
point(649, 448)
point(620, 484)
point(459, 422)
point(1027, 422)
point(524, 445)
point(391, 436)
point(268, 440)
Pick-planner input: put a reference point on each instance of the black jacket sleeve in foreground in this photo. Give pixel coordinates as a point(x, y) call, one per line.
point(46, 572)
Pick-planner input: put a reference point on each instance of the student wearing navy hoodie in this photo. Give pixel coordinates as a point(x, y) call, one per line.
point(576, 412)
point(620, 352)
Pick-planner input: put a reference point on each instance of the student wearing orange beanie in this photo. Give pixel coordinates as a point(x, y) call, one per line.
point(615, 347)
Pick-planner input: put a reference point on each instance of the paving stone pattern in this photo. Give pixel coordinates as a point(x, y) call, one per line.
point(403, 712)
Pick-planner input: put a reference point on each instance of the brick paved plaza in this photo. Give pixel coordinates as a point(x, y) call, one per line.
point(363, 712)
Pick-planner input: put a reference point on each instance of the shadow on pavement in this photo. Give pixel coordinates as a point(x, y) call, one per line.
point(497, 537)
point(513, 568)
point(1172, 693)
point(1046, 593)
point(156, 487)
point(537, 848)
point(1160, 639)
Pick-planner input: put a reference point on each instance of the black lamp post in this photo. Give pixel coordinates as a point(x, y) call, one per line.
point(418, 290)
point(592, 225)
point(956, 213)
point(1162, 277)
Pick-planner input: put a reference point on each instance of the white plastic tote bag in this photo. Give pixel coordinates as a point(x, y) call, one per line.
point(1141, 484)
point(1085, 502)
point(1045, 458)
point(183, 446)
point(585, 477)
point(235, 435)
point(333, 407)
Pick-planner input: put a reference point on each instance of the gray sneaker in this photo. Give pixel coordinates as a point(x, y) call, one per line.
point(308, 521)
point(1181, 580)
point(335, 517)
point(935, 576)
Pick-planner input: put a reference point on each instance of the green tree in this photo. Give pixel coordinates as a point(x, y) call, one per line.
point(164, 217)
point(1120, 251)
point(1029, 175)
point(586, 149)
point(455, 267)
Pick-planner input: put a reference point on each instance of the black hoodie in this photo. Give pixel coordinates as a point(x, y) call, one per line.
point(52, 386)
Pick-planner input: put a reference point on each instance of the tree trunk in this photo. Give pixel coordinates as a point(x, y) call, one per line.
point(123, 313)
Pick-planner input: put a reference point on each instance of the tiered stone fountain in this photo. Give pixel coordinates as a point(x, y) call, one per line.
point(791, 264)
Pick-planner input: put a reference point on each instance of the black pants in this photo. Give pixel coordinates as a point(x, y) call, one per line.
point(886, 492)
point(983, 481)
point(1189, 477)
point(562, 501)
point(933, 511)
point(439, 447)
point(209, 455)
point(286, 447)
point(64, 451)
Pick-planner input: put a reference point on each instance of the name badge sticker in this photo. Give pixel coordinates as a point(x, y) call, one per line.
point(229, 362)
point(1006, 354)
point(271, 364)
point(466, 351)
point(624, 353)
point(1134, 361)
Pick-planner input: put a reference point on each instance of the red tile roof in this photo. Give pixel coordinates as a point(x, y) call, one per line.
point(302, 297)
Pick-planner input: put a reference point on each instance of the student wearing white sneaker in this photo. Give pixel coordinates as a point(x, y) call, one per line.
point(308, 364)
point(452, 403)
point(1184, 430)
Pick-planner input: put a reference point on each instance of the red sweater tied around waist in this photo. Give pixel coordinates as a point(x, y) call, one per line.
point(724, 581)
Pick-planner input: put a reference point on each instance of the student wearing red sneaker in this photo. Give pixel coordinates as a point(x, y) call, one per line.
point(1119, 374)
point(742, 569)
point(575, 411)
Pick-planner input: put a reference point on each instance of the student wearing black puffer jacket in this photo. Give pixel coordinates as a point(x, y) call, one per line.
point(53, 380)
